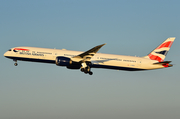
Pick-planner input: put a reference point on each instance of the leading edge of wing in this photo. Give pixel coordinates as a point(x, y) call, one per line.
point(88, 54)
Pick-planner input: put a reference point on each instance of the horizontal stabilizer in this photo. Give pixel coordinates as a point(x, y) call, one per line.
point(164, 62)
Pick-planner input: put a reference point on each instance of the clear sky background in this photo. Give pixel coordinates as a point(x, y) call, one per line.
point(129, 27)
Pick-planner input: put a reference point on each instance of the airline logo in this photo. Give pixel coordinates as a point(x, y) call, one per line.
point(17, 49)
point(161, 51)
point(23, 51)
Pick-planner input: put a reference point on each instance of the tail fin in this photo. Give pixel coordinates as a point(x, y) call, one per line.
point(161, 51)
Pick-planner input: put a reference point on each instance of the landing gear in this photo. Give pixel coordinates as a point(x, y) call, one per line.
point(82, 69)
point(15, 64)
point(90, 73)
point(86, 70)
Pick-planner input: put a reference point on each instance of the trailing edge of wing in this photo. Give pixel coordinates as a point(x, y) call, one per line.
point(99, 61)
point(88, 54)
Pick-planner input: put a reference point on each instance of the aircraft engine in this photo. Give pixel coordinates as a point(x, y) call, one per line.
point(65, 61)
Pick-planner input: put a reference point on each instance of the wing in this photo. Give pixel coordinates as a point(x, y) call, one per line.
point(86, 56)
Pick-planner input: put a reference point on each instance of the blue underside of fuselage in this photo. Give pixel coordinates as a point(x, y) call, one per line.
point(92, 65)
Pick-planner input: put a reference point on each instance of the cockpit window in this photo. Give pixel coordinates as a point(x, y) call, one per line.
point(9, 50)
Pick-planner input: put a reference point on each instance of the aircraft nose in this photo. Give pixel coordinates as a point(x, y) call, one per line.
point(5, 54)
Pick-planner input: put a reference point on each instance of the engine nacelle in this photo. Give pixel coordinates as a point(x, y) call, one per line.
point(65, 61)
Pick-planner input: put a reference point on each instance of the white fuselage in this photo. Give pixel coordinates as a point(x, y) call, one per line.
point(99, 60)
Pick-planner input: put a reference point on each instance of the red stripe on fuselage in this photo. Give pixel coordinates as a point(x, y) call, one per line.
point(166, 44)
point(21, 49)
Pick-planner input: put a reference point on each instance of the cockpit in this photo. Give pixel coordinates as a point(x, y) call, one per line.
point(8, 52)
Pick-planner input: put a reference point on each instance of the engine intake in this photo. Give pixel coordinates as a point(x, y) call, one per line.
point(65, 61)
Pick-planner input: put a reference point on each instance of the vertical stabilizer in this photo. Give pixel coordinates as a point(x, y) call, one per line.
point(161, 51)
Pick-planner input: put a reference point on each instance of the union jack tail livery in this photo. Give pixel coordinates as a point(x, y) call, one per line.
point(161, 51)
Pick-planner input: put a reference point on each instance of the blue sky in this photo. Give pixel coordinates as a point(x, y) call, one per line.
point(43, 91)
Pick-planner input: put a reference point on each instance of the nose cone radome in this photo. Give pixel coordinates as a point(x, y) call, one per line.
point(5, 54)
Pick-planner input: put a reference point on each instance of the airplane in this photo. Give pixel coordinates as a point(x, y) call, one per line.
point(91, 59)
